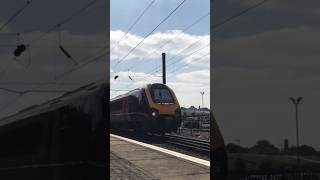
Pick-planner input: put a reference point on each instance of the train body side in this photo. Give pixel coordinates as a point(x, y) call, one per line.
point(219, 154)
point(61, 139)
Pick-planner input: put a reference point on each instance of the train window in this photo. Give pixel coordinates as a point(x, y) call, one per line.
point(143, 102)
point(133, 103)
point(161, 95)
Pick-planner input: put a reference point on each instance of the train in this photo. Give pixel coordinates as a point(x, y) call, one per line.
point(66, 137)
point(143, 110)
point(63, 138)
point(153, 108)
point(218, 154)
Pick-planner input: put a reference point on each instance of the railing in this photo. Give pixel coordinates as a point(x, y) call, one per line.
point(280, 176)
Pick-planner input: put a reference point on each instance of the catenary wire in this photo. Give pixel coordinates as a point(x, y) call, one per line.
point(64, 21)
point(133, 24)
point(16, 14)
point(149, 34)
point(219, 24)
point(171, 40)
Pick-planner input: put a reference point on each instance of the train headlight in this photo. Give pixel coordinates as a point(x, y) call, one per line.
point(154, 113)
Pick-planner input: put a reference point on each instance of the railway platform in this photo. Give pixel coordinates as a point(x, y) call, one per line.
point(134, 161)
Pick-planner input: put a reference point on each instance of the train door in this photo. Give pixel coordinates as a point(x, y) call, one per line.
point(134, 110)
point(70, 143)
point(143, 102)
point(24, 150)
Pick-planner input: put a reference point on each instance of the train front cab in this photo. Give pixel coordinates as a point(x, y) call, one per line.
point(163, 107)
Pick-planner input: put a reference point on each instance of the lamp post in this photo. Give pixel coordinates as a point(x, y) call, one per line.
point(202, 93)
point(296, 103)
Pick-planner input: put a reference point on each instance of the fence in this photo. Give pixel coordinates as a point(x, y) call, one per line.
point(276, 176)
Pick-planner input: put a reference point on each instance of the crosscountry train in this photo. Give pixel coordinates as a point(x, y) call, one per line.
point(218, 153)
point(153, 108)
point(64, 138)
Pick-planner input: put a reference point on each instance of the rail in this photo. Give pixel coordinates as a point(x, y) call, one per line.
point(191, 143)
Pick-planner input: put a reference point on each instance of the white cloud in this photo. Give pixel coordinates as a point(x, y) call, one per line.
point(200, 76)
point(179, 41)
point(284, 47)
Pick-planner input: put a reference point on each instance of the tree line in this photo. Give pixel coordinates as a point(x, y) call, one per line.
point(265, 147)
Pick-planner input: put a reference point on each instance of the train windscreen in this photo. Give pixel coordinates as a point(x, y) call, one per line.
point(161, 94)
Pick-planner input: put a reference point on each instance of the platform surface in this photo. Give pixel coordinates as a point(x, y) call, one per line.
point(129, 161)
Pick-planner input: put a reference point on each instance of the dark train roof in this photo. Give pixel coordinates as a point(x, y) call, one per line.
point(124, 95)
point(54, 103)
point(127, 93)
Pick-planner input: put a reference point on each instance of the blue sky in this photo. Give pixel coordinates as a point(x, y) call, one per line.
point(124, 12)
point(186, 74)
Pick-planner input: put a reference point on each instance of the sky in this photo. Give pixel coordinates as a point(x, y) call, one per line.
point(187, 49)
point(82, 33)
point(261, 58)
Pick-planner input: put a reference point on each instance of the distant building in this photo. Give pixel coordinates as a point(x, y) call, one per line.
point(192, 108)
point(194, 112)
point(183, 108)
point(204, 109)
point(200, 116)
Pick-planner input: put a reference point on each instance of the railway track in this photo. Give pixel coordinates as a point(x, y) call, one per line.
point(189, 143)
point(191, 146)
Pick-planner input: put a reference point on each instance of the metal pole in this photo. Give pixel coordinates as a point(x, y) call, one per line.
point(297, 138)
point(296, 103)
point(164, 68)
point(202, 99)
point(202, 93)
